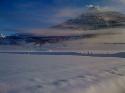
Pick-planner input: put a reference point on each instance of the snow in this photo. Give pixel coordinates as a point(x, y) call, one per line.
point(28, 73)
point(90, 65)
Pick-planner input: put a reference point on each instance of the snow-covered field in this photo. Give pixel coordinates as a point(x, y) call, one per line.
point(54, 73)
point(88, 65)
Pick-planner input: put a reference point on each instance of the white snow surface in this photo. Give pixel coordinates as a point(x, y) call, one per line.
point(38, 73)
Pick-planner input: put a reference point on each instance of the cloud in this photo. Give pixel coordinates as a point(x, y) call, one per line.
point(69, 12)
point(120, 5)
point(65, 13)
point(123, 1)
point(117, 5)
point(59, 15)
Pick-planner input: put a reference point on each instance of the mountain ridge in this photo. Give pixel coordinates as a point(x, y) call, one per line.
point(94, 19)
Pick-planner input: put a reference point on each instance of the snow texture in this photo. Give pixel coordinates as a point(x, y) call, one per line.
point(62, 72)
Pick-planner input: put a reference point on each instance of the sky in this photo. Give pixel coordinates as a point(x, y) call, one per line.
point(34, 15)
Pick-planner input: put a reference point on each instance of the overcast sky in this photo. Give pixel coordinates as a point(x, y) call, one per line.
point(32, 15)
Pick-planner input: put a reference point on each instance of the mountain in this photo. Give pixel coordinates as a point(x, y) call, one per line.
point(93, 19)
point(2, 36)
point(27, 38)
